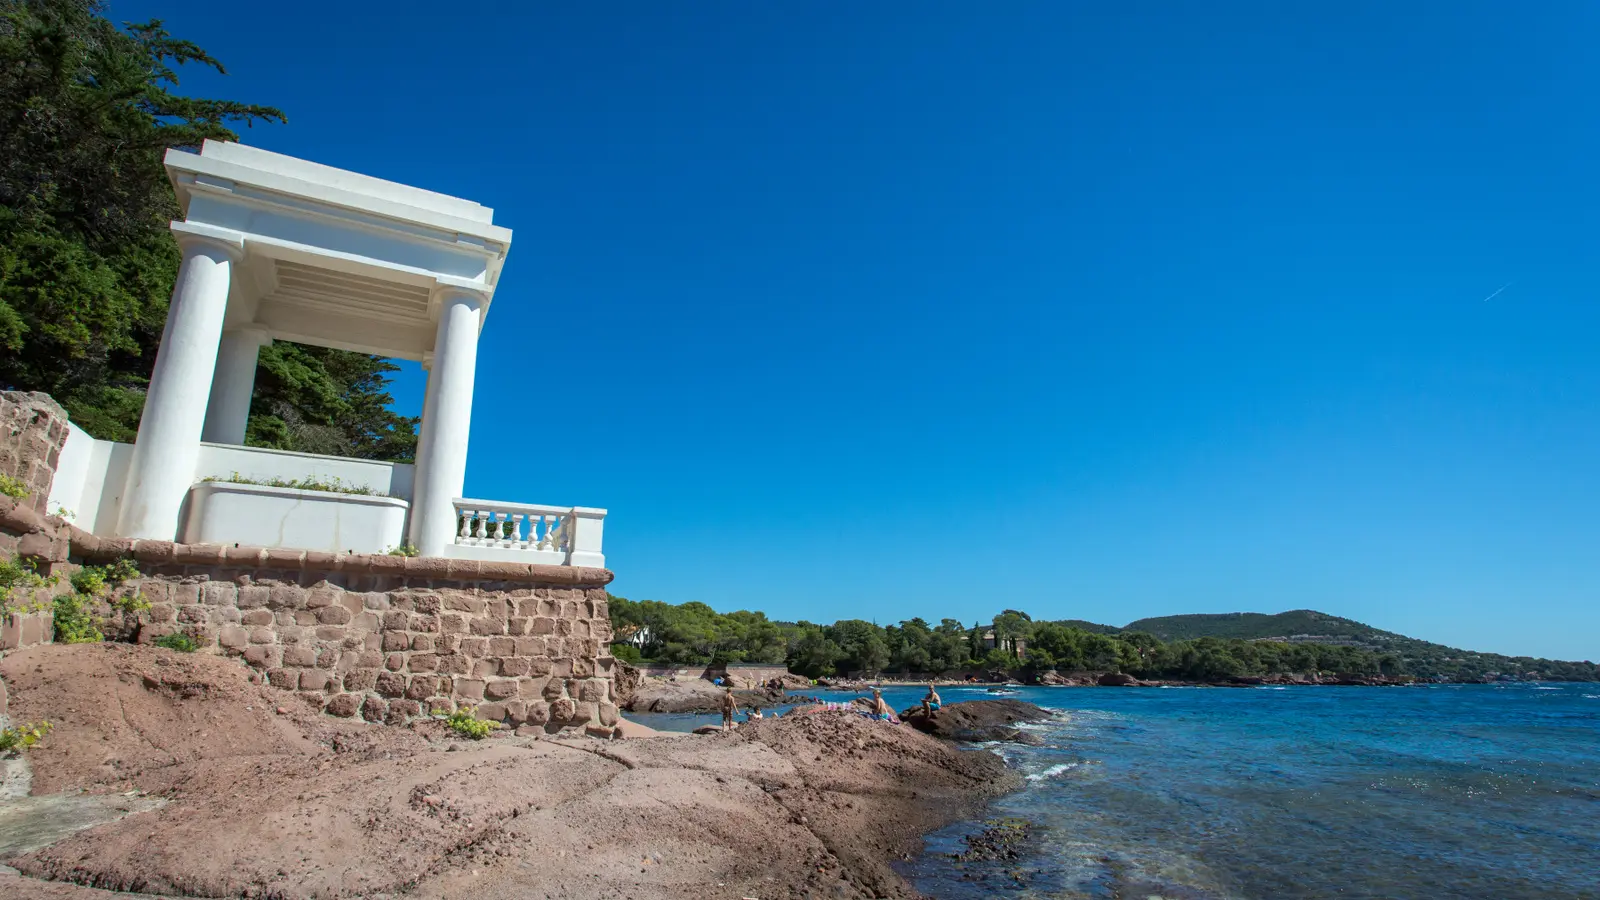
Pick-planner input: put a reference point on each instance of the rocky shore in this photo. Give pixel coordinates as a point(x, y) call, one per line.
point(205, 783)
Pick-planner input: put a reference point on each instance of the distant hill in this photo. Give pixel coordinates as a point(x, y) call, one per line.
point(1302, 624)
point(1309, 626)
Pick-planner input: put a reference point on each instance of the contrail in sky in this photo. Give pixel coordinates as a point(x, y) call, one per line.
point(1497, 293)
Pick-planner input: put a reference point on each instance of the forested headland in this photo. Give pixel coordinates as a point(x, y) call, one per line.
point(1013, 642)
point(87, 110)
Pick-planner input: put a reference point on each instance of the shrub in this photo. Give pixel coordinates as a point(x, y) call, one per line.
point(19, 581)
point(178, 641)
point(405, 550)
point(466, 723)
point(21, 737)
point(75, 619)
point(13, 488)
point(627, 653)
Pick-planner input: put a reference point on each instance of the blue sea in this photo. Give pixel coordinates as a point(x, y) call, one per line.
point(1490, 792)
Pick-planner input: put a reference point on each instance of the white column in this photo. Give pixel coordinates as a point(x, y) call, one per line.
point(442, 446)
point(424, 441)
point(161, 469)
point(233, 384)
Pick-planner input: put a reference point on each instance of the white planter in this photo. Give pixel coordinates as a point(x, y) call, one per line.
point(255, 515)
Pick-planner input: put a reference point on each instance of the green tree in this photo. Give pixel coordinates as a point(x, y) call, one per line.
point(87, 265)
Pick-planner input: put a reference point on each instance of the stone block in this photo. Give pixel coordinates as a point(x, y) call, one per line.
point(375, 601)
point(396, 620)
point(422, 687)
point(373, 709)
point(585, 712)
point(517, 625)
point(263, 656)
point(299, 655)
point(474, 646)
point(429, 604)
point(462, 602)
point(554, 689)
point(583, 667)
point(539, 665)
point(391, 684)
point(394, 641)
point(530, 646)
point(360, 680)
point(321, 598)
point(563, 711)
point(343, 705)
point(366, 621)
point(485, 668)
point(538, 713)
point(492, 712)
point(369, 659)
point(305, 617)
point(394, 662)
point(233, 637)
point(423, 622)
point(452, 623)
point(400, 711)
point(514, 666)
point(500, 689)
point(542, 625)
point(162, 612)
point(607, 714)
point(257, 616)
point(286, 679)
point(313, 680)
point(194, 615)
point(502, 646)
point(455, 664)
point(593, 690)
point(423, 662)
point(333, 615)
point(287, 596)
point(469, 688)
point(330, 632)
point(486, 626)
point(422, 642)
point(219, 593)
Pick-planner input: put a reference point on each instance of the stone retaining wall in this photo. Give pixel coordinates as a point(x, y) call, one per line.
point(33, 429)
point(381, 637)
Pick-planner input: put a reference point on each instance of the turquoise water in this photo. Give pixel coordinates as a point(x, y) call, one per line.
point(1447, 791)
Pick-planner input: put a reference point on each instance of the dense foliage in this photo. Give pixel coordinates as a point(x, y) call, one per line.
point(694, 633)
point(1309, 626)
point(87, 110)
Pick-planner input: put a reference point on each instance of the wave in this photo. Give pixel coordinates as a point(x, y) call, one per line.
point(1053, 771)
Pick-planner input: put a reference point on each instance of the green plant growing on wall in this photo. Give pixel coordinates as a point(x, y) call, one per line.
point(328, 485)
point(76, 621)
point(405, 550)
point(466, 723)
point(178, 641)
point(20, 583)
point(13, 488)
point(21, 737)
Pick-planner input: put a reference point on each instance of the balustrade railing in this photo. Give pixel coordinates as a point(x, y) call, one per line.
point(558, 534)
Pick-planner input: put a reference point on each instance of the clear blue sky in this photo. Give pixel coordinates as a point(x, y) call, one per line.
point(1095, 310)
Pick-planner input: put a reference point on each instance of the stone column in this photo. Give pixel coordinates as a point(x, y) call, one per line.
point(233, 383)
point(447, 420)
point(161, 469)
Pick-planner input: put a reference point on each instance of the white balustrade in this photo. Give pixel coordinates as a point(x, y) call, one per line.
point(528, 532)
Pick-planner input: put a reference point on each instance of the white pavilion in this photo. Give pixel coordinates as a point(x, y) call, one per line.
point(277, 248)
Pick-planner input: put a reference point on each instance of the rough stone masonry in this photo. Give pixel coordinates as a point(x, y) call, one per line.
point(381, 637)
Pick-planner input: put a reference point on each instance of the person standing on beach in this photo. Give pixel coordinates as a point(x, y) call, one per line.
point(729, 707)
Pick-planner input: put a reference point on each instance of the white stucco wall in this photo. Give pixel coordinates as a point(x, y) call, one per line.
point(261, 516)
point(221, 461)
point(91, 473)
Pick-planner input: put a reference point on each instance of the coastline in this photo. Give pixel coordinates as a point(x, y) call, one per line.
point(263, 796)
